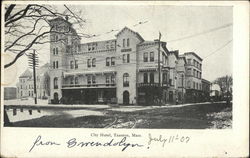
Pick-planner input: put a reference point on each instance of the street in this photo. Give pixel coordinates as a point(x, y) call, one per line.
point(186, 116)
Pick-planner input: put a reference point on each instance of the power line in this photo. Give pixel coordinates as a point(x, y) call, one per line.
point(203, 32)
point(219, 48)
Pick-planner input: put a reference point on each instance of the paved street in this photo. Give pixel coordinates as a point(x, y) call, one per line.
point(186, 116)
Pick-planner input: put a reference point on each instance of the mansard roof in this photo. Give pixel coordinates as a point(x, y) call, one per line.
point(135, 33)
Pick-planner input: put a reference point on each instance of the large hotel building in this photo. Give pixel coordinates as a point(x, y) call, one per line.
point(123, 70)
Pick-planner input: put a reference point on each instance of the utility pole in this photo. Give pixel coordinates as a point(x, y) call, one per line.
point(33, 62)
point(159, 67)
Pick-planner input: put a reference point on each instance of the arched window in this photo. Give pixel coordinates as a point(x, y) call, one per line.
point(55, 83)
point(125, 80)
point(56, 51)
point(108, 61)
point(93, 62)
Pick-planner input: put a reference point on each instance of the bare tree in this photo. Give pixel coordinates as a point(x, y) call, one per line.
point(28, 25)
point(225, 83)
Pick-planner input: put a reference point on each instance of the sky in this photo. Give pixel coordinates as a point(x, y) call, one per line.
point(175, 23)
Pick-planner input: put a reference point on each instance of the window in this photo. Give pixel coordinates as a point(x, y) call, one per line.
point(152, 56)
point(189, 61)
point(128, 58)
point(145, 77)
point(93, 62)
point(112, 79)
point(57, 64)
point(113, 61)
point(54, 65)
point(188, 84)
point(79, 48)
point(107, 79)
point(55, 83)
point(124, 58)
point(194, 73)
point(152, 77)
point(56, 38)
point(72, 64)
point(145, 57)
point(125, 80)
point(56, 51)
point(71, 80)
point(123, 43)
point(88, 63)
point(107, 61)
point(128, 42)
point(76, 64)
point(193, 62)
point(170, 82)
point(165, 78)
point(21, 93)
point(29, 93)
point(197, 86)
point(93, 80)
point(76, 80)
point(89, 79)
point(194, 85)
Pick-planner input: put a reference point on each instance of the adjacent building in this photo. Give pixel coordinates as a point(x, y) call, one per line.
point(10, 93)
point(25, 86)
point(206, 89)
point(123, 70)
point(193, 77)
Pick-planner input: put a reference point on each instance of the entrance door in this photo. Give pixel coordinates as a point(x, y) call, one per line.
point(56, 98)
point(126, 97)
point(171, 97)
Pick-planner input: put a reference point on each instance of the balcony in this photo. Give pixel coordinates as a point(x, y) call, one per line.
point(96, 85)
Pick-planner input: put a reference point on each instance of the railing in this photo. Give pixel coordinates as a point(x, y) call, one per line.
point(152, 85)
point(111, 85)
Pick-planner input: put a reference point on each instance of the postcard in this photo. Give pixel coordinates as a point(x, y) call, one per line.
point(124, 79)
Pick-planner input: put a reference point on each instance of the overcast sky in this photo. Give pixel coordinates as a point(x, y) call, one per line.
point(174, 22)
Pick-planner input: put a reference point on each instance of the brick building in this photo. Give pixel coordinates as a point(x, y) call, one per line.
point(122, 70)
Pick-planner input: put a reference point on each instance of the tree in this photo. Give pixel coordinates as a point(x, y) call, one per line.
point(27, 26)
point(225, 83)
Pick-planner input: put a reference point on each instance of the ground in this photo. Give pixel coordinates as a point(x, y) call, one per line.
point(187, 116)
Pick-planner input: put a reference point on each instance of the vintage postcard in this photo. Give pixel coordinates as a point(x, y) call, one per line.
point(124, 79)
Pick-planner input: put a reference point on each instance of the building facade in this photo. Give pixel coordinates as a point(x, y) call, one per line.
point(123, 70)
point(206, 89)
point(193, 77)
point(25, 86)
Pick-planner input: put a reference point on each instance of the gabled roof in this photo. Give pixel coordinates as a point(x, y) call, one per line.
point(136, 33)
point(26, 73)
point(175, 52)
point(43, 69)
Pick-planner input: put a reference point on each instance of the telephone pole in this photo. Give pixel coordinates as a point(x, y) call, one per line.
point(33, 62)
point(159, 67)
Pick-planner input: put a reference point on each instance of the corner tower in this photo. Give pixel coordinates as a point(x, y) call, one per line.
point(63, 42)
